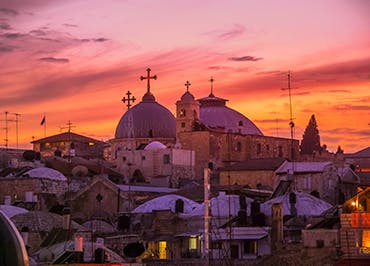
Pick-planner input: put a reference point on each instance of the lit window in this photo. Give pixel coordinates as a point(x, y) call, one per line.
point(365, 248)
point(91, 143)
point(192, 243)
point(162, 250)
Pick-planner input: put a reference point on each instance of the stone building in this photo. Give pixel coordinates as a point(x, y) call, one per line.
point(156, 164)
point(320, 178)
point(218, 134)
point(355, 226)
point(69, 144)
point(103, 199)
point(44, 187)
point(221, 136)
point(254, 173)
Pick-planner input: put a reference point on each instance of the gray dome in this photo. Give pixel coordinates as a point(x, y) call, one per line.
point(148, 119)
point(187, 97)
point(215, 113)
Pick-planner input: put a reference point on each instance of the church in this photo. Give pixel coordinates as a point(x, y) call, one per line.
point(218, 135)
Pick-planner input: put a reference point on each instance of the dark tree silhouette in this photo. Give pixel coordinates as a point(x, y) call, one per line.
point(311, 138)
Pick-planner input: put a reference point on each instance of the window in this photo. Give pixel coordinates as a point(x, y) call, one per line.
point(166, 159)
point(240, 123)
point(267, 147)
point(124, 158)
point(193, 242)
point(183, 124)
point(365, 247)
point(280, 151)
point(259, 148)
point(143, 158)
point(238, 146)
point(182, 113)
point(250, 247)
point(162, 250)
point(216, 244)
point(307, 182)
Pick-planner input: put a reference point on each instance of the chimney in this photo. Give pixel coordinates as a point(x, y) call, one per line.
point(66, 218)
point(276, 224)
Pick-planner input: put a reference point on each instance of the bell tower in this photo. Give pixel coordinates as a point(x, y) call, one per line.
point(187, 111)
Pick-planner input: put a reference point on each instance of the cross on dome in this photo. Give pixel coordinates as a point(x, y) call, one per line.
point(128, 99)
point(148, 78)
point(187, 85)
point(211, 80)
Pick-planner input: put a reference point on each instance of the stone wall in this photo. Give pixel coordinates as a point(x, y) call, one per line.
point(17, 187)
point(250, 178)
point(312, 238)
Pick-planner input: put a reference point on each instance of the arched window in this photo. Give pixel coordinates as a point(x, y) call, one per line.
point(238, 146)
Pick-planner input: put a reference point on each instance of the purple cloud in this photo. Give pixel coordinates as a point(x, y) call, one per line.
point(8, 11)
point(245, 58)
point(54, 60)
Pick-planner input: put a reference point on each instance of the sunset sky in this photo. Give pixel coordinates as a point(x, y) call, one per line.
point(75, 60)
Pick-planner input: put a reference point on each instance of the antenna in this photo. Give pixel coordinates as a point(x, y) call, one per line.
point(16, 126)
point(69, 126)
point(6, 128)
point(291, 123)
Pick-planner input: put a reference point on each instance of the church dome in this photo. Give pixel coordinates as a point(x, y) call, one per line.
point(148, 119)
point(187, 97)
point(215, 113)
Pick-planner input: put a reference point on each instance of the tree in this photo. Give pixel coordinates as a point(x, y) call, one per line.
point(311, 138)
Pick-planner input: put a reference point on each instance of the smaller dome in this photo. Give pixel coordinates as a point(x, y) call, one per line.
point(167, 202)
point(306, 205)
point(155, 145)
point(44, 172)
point(11, 210)
point(187, 97)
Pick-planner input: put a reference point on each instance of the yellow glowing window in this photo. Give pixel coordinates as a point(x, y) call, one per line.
point(192, 243)
point(365, 241)
point(91, 143)
point(162, 250)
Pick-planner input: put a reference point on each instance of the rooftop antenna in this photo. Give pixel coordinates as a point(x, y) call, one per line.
point(16, 126)
point(69, 126)
point(6, 128)
point(291, 123)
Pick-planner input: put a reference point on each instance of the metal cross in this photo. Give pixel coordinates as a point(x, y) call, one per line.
point(148, 78)
point(212, 80)
point(128, 99)
point(187, 85)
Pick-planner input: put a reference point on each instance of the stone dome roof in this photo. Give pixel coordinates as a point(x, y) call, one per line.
point(215, 113)
point(306, 205)
point(44, 172)
point(10, 210)
point(148, 119)
point(167, 202)
point(155, 145)
point(187, 97)
point(220, 206)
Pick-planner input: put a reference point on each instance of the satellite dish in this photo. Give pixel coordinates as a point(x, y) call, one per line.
point(134, 249)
